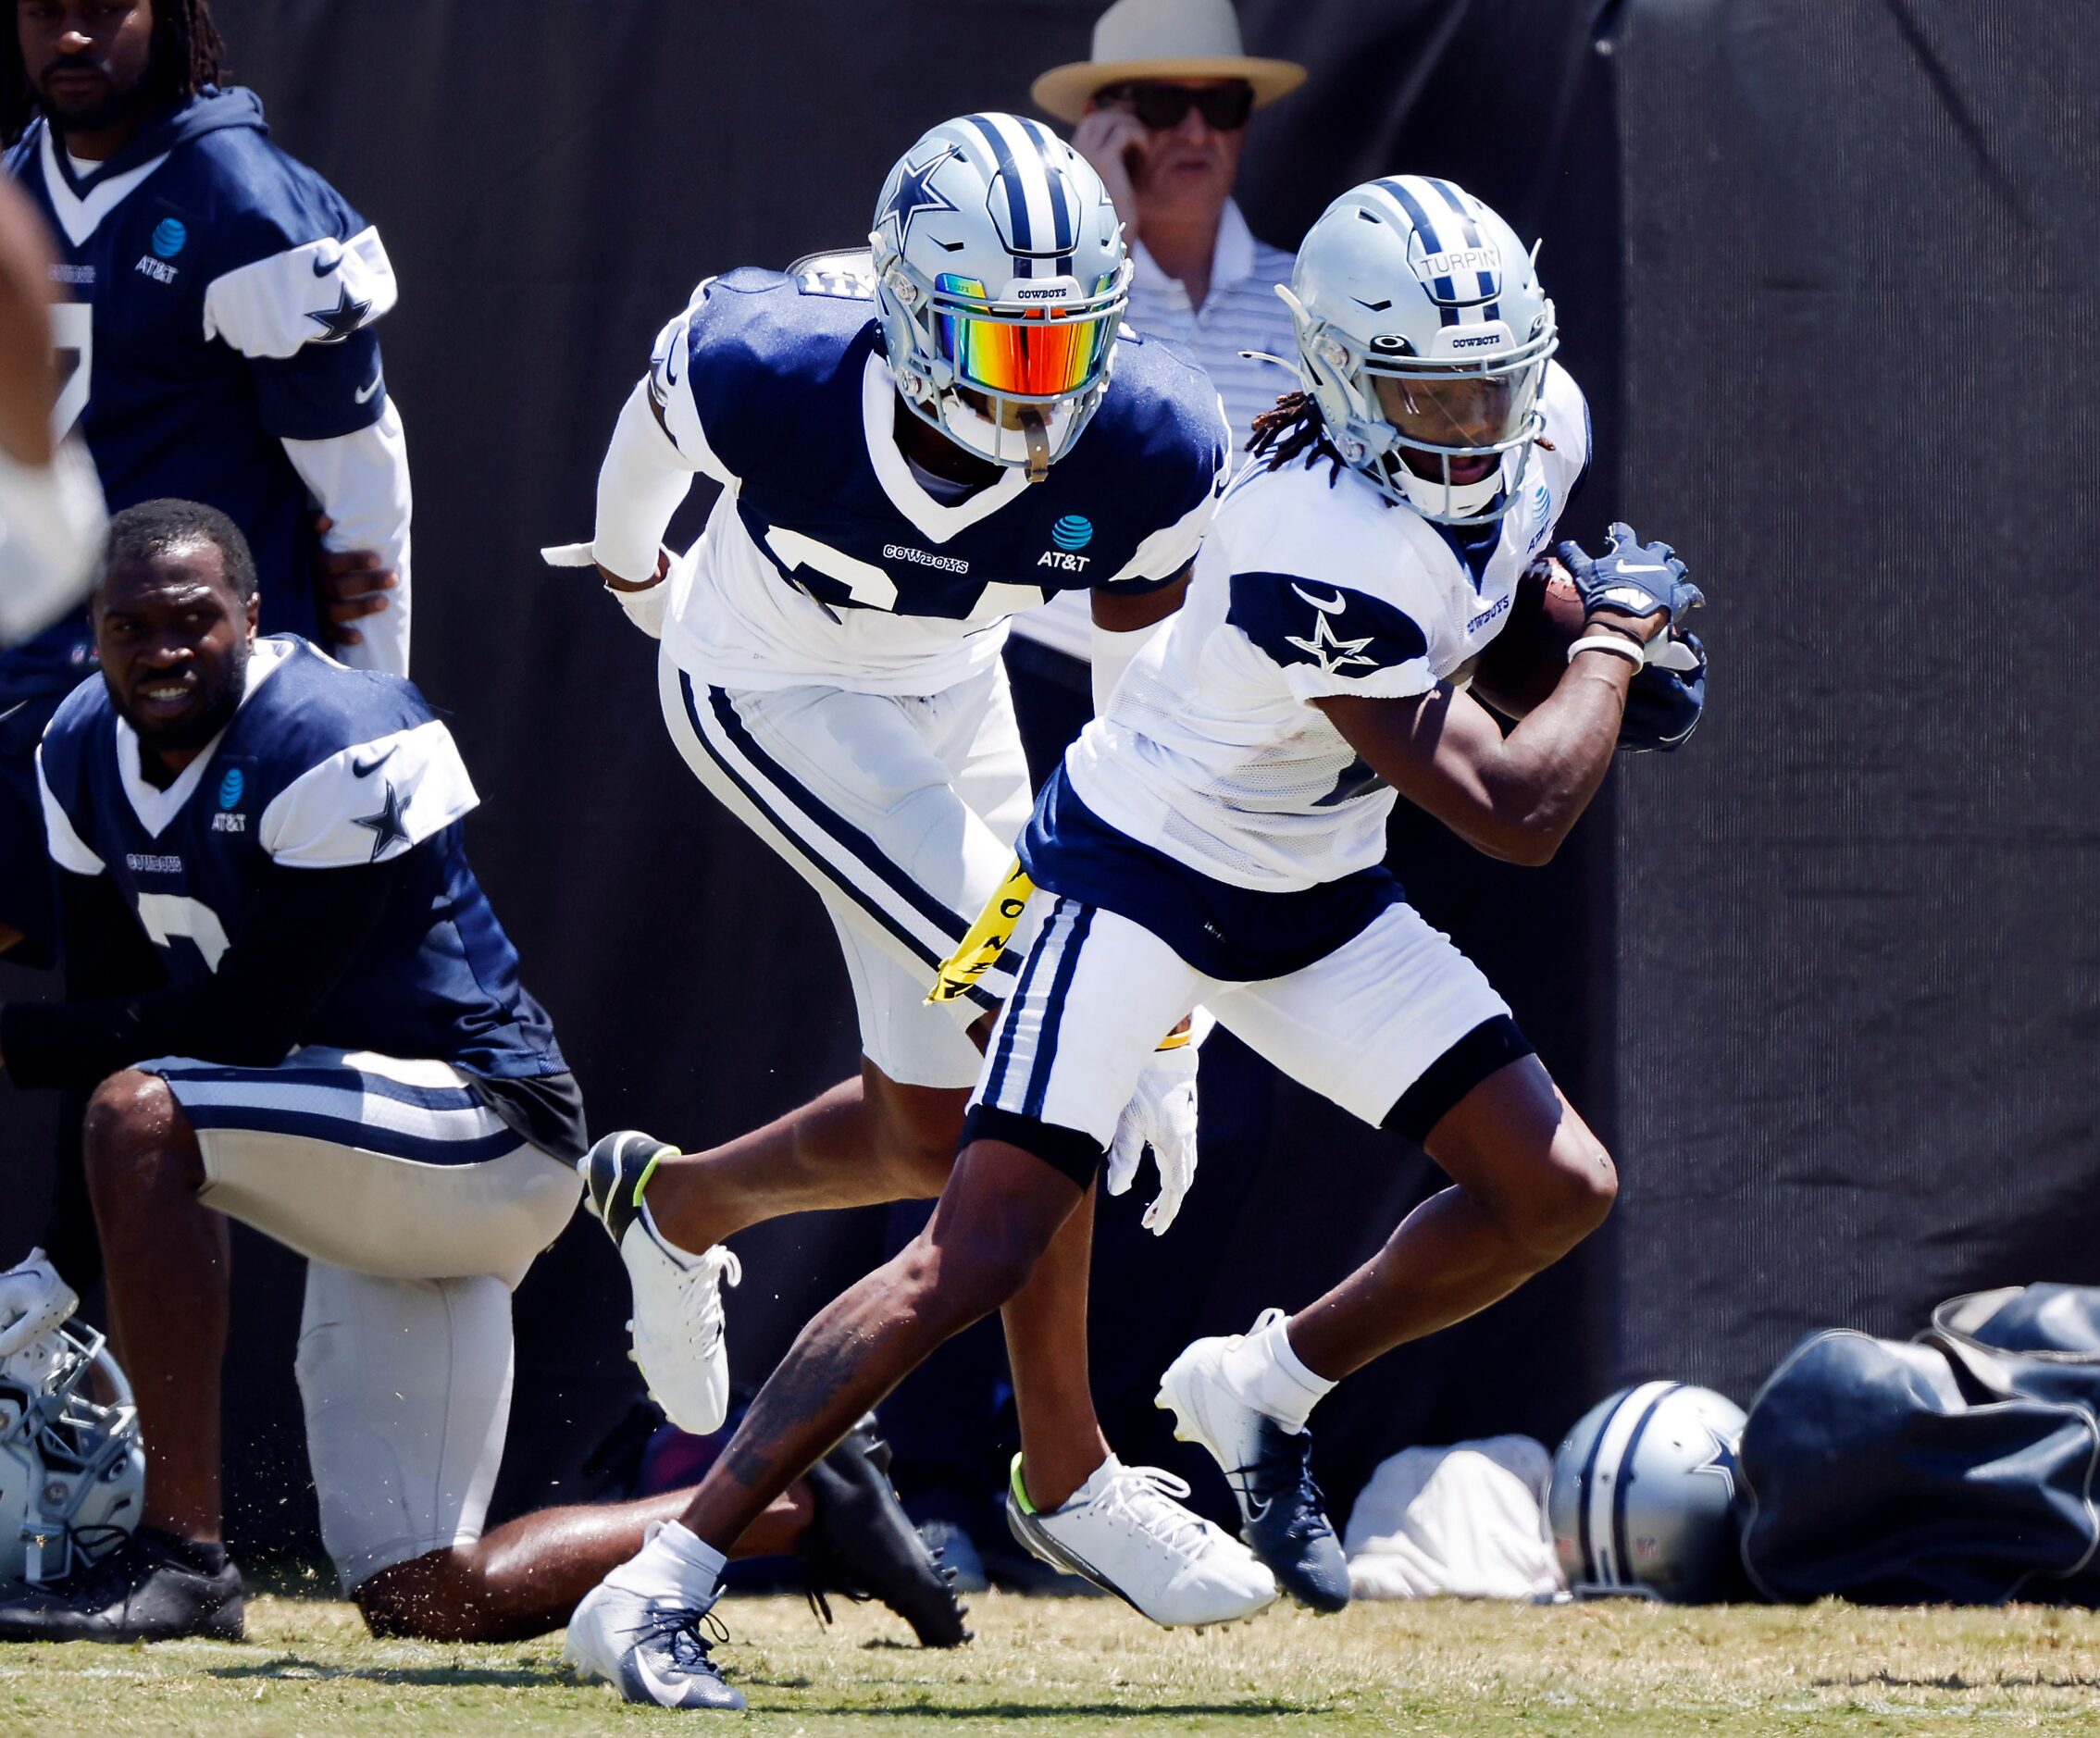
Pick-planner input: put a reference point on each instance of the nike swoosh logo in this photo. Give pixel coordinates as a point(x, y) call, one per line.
point(670, 357)
point(365, 769)
point(325, 263)
point(364, 396)
point(1327, 606)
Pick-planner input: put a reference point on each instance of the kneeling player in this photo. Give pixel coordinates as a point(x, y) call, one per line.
point(346, 1060)
point(1215, 839)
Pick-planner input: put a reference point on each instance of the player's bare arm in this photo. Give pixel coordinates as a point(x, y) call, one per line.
point(26, 367)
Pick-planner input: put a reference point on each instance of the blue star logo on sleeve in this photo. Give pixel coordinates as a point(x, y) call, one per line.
point(1329, 651)
point(387, 829)
point(915, 193)
point(339, 322)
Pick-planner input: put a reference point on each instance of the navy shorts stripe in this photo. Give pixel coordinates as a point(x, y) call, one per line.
point(342, 1131)
point(1054, 1012)
point(345, 1079)
point(1005, 1055)
point(862, 849)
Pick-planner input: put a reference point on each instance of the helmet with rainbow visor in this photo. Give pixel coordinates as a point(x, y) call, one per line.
point(1002, 279)
point(1423, 337)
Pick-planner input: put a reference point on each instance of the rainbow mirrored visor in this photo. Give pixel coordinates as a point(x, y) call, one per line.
point(1014, 351)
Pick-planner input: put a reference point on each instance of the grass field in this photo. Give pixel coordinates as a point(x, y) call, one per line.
point(1089, 1667)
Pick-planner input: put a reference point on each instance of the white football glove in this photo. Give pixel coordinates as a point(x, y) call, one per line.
point(1162, 1115)
point(33, 1301)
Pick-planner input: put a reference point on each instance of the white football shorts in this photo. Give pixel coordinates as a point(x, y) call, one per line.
point(901, 810)
point(418, 1210)
point(1365, 1025)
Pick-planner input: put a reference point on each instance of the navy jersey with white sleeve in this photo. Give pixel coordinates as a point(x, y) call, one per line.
point(322, 767)
point(826, 561)
point(215, 324)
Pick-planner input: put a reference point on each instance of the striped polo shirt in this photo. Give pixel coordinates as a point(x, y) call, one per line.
point(1242, 311)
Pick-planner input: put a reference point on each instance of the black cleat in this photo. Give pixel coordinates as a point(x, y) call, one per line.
point(863, 1544)
point(614, 1173)
point(142, 1590)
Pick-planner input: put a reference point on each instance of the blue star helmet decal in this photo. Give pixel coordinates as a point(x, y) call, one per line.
point(915, 193)
point(1724, 1462)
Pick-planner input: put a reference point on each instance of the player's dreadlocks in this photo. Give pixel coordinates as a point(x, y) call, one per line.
point(1294, 426)
point(187, 55)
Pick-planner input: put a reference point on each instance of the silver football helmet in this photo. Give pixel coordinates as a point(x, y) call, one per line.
point(1643, 1496)
point(1001, 277)
point(73, 1471)
point(1423, 337)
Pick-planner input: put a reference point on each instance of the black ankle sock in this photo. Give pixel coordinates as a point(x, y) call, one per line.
point(207, 1557)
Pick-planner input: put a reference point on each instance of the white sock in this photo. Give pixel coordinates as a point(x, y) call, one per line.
point(1266, 1372)
point(672, 1564)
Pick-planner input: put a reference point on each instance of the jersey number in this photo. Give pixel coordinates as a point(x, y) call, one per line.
point(167, 915)
point(865, 583)
point(72, 334)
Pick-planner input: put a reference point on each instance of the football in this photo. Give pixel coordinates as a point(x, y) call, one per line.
point(1525, 662)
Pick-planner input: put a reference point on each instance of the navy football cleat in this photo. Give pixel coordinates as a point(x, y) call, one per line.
point(1281, 1514)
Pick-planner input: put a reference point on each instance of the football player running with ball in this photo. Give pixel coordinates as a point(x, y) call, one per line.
point(1213, 840)
point(913, 445)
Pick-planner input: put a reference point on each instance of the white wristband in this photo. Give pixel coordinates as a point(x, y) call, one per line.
point(1616, 643)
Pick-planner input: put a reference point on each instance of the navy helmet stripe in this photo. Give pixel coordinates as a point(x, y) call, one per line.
point(1064, 200)
point(1450, 195)
point(1016, 196)
point(1622, 1487)
point(1418, 214)
point(1584, 1485)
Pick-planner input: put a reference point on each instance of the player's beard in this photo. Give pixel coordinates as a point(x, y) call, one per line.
point(221, 701)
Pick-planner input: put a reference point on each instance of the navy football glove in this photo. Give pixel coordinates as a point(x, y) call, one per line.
point(1630, 578)
point(1663, 705)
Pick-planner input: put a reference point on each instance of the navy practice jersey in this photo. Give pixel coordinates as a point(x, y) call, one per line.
point(322, 767)
point(828, 561)
point(215, 299)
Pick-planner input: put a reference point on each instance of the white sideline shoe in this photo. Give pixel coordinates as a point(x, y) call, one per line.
point(653, 1651)
point(1125, 1532)
point(679, 1321)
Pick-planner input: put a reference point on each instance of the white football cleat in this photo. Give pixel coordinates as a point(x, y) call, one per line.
point(651, 1650)
point(1125, 1532)
point(678, 1325)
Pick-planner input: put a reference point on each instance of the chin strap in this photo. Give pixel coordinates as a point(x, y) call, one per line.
point(1034, 432)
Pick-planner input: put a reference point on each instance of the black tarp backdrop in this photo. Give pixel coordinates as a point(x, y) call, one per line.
point(1859, 1002)
point(551, 179)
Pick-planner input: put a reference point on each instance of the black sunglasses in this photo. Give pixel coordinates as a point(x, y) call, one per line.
point(1160, 108)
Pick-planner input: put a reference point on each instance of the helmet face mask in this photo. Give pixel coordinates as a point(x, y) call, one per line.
point(1001, 279)
point(73, 1471)
point(1424, 339)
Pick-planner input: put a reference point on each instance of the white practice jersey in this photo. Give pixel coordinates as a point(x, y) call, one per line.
point(1210, 752)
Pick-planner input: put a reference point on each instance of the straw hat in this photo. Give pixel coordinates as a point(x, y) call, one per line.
point(1162, 39)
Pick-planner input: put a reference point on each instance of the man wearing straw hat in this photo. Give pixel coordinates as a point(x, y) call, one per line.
point(1161, 111)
